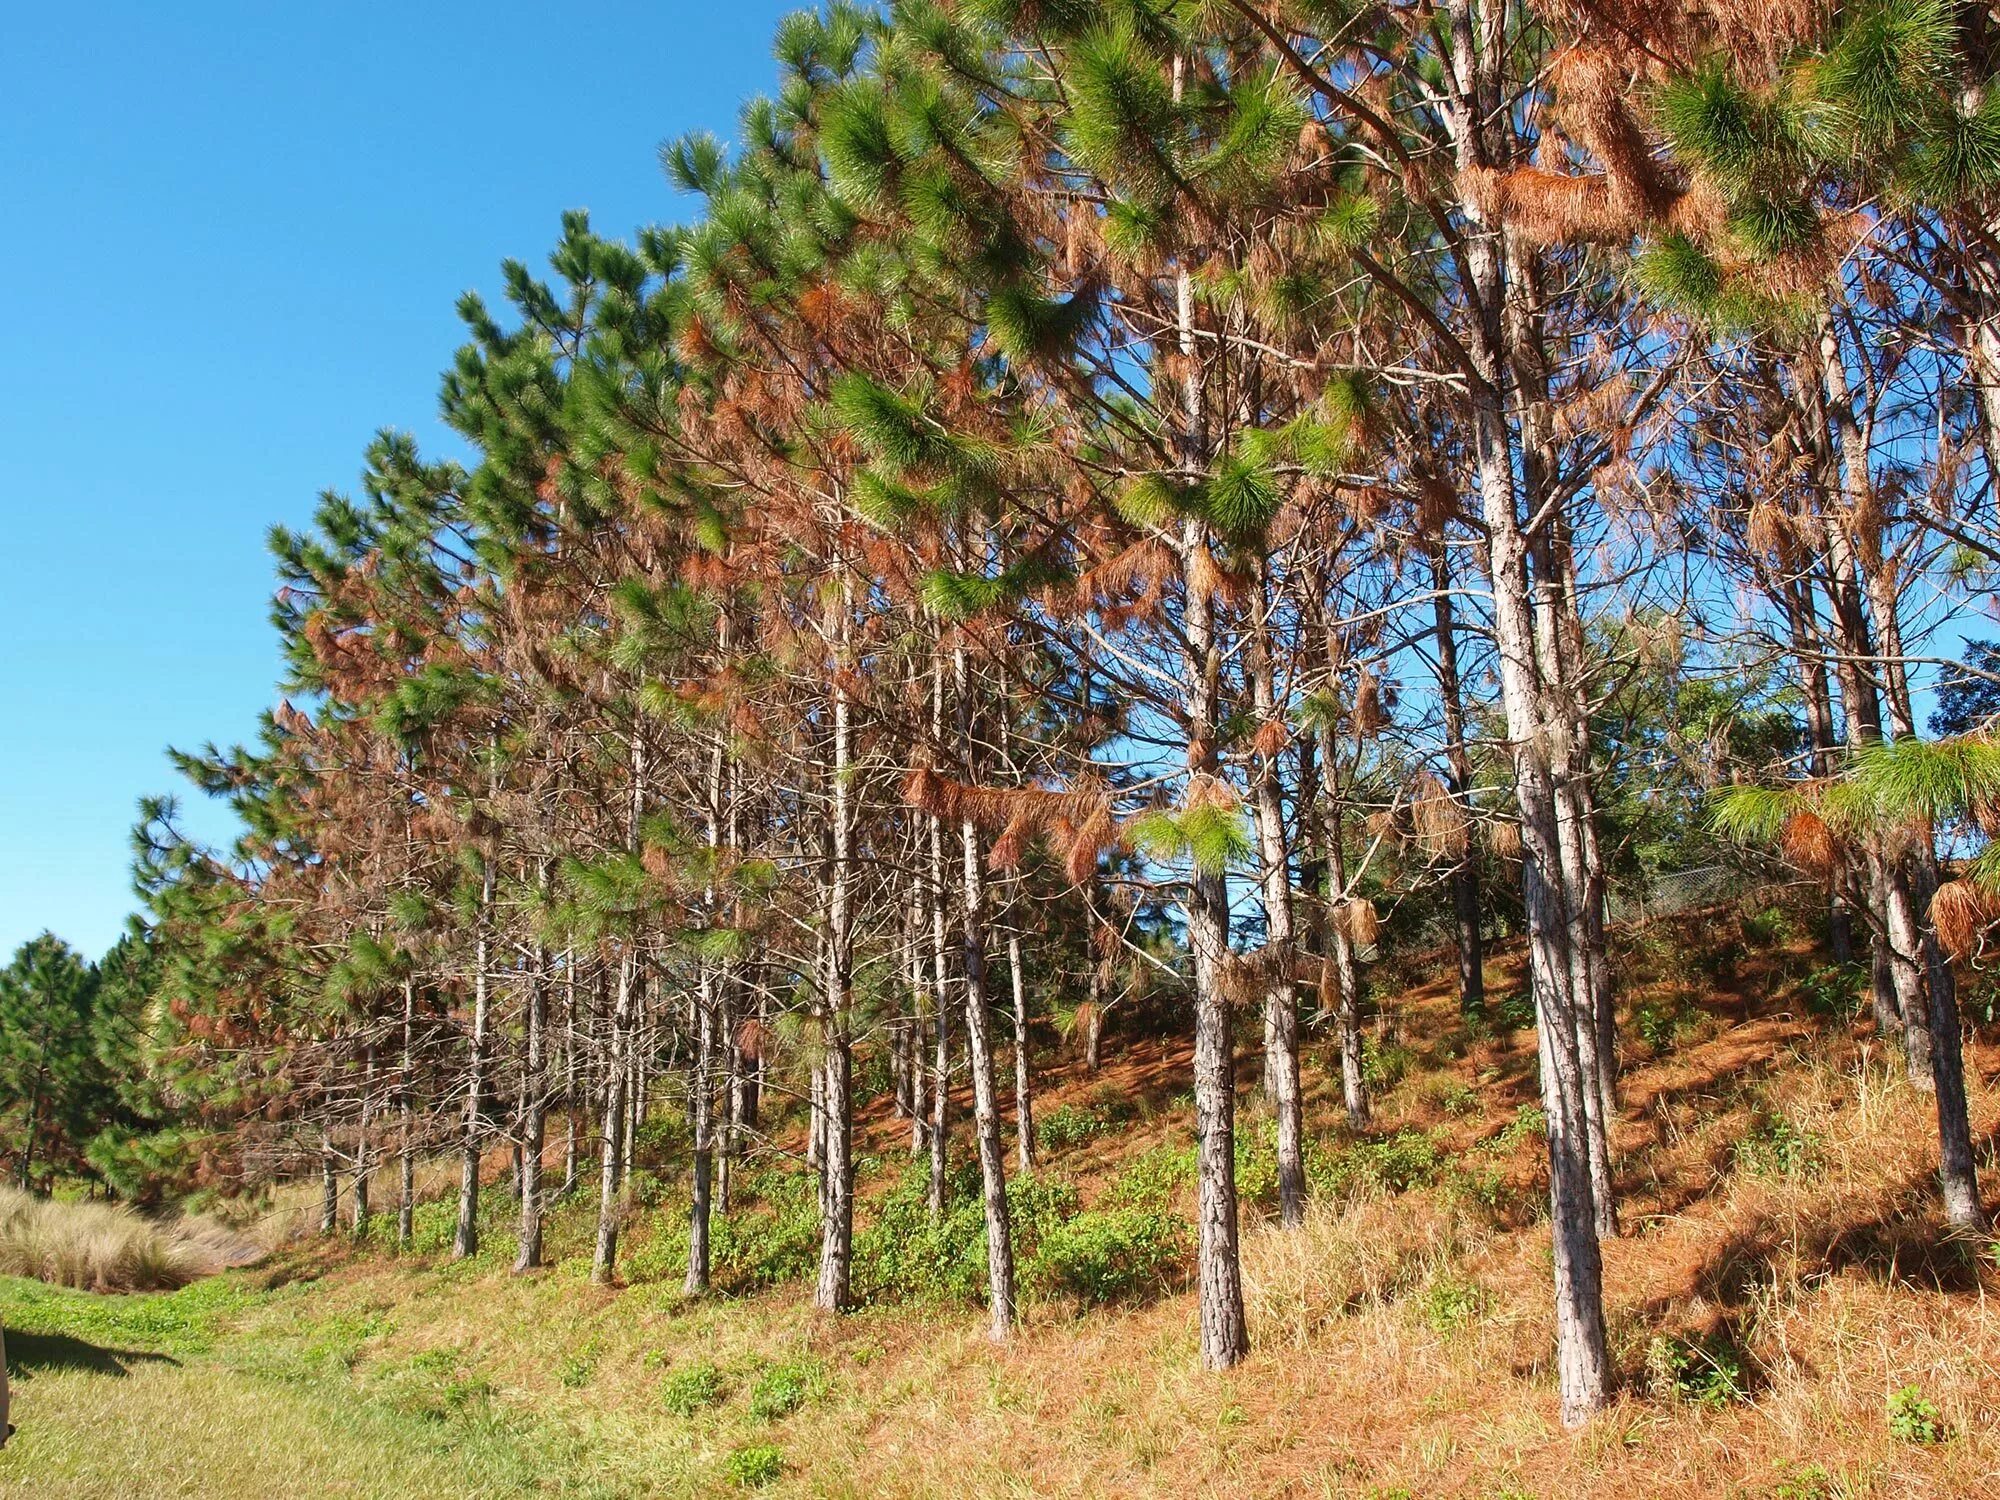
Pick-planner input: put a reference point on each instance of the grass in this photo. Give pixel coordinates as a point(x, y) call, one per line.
point(1787, 1322)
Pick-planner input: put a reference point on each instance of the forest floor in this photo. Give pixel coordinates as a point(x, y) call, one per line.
point(1788, 1320)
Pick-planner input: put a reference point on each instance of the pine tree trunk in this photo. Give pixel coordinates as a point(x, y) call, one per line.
point(1281, 1011)
point(406, 1197)
point(940, 1127)
point(617, 1067)
point(1093, 1028)
point(985, 1100)
point(979, 1030)
point(1565, 717)
point(1024, 1103)
point(364, 1162)
point(610, 1208)
point(534, 1116)
point(465, 1242)
point(1803, 625)
point(572, 1104)
point(1583, 1366)
point(940, 975)
point(833, 1292)
point(1582, 1358)
point(1458, 781)
point(1958, 1170)
point(708, 1041)
point(329, 1184)
point(913, 1040)
point(732, 1092)
point(701, 1087)
point(1338, 971)
point(1225, 1338)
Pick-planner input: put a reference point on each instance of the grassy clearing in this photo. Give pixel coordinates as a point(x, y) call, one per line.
point(1786, 1322)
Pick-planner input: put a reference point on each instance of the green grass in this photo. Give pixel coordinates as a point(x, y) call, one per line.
point(246, 1392)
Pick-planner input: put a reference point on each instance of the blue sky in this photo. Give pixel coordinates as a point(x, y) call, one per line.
point(235, 234)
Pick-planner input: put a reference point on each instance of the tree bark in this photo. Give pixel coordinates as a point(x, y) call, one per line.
point(833, 1292)
point(465, 1242)
point(1458, 781)
point(1024, 1102)
point(1281, 1008)
point(329, 1184)
point(617, 1071)
point(534, 1117)
point(363, 1161)
point(406, 1197)
point(610, 1207)
point(1583, 1364)
point(1338, 970)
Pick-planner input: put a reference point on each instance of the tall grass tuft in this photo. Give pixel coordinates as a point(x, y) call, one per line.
point(1366, 1250)
point(97, 1247)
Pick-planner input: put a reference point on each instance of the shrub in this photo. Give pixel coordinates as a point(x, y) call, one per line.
point(1406, 1159)
point(1384, 1064)
point(1111, 1255)
point(1768, 927)
point(1530, 1122)
point(906, 1254)
point(1112, 1105)
point(1914, 1419)
point(1151, 1178)
point(1516, 1008)
point(688, 1389)
point(1662, 1023)
point(1453, 1302)
point(1803, 1482)
point(771, 1245)
point(756, 1466)
point(783, 1389)
point(96, 1247)
point(1066, 1126)
point(1256, 1163)
point(1775, 1147)
point(1832, 991)
point(1706, 1371)
point(1457, 1098)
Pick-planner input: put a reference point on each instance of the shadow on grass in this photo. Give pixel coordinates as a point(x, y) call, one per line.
point(28, 1353)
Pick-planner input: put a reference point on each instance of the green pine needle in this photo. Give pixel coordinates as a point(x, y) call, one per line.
point(1350, 223)
point(1241, 499)
point(1889, 69)
point(1676, 275)
point(1024, 325)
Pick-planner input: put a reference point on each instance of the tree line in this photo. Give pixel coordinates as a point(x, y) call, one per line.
point(1110, 498)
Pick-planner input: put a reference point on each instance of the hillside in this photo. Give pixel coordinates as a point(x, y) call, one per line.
point(1777, 1284)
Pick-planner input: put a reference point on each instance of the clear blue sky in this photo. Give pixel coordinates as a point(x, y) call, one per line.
point(234, 237)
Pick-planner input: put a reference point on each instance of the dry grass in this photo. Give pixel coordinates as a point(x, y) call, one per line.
point(100, 1247)
point(1369, 1250)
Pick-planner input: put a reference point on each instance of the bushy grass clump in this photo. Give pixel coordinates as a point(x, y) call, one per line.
point(756, 1466)
point(1112, 1255)
point(784, 1388)
point(97, 1247)
point(687, 1390)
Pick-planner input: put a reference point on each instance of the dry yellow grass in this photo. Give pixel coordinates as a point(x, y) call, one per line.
point(103, 1247)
